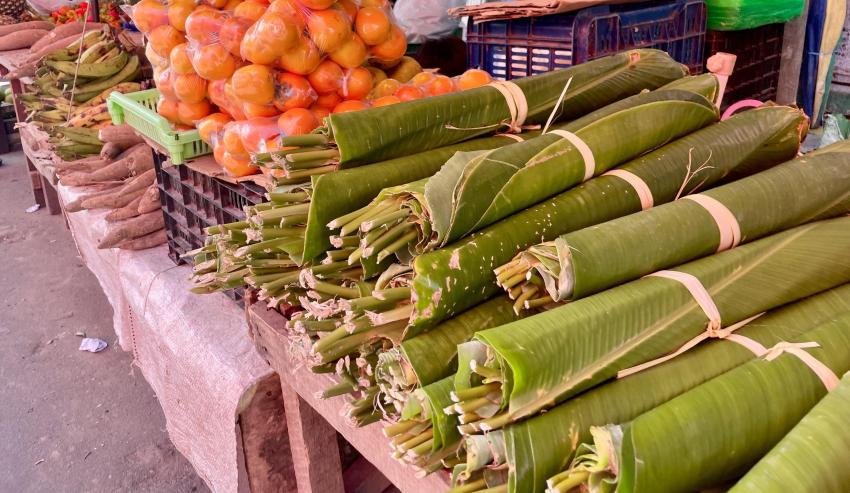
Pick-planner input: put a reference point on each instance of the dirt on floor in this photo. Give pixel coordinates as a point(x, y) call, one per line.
point(70, 421)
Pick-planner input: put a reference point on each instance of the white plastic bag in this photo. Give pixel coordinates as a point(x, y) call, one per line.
point(45, 7)
point(426, 19)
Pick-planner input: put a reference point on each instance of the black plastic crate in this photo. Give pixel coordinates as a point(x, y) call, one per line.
point(759, 52)
point(515, 48)
point(191, 202)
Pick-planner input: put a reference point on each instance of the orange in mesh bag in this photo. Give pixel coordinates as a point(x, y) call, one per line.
point(213, 61)
point(301, 59)
point(393, 48)
point(268, 39)
point(293, 91)
point(233, 32)
point(254, 133)
point(147, 15)
point(291, 11)
point(328, 101)
point(252, 110)
point(329, 29)
point(168, 109)
point(250, 10)
point(164, 38)
point(327, 78)
point(356, 84)
point(254, 84)
point(189, 113)
point(180, 62)
point(373, 25)
point(162, 78)
point(178, 12)
point(204, 24)
point(189, 88)
point(233, 165)
point(350, 105)
point(212, 125)
point(317, 4)
point(297, 121)
point(352, 53)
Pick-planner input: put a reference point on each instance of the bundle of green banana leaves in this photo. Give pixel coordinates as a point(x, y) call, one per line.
point(323, 200)
point(442, 289)
point(384, 133)
point(591, 86)
point(425, 359)
point(714, 433)
point(541, 361)
point(543, 446)
point(337, 194)
point(765, 137)
point(812, 456)
point(450, 280)
point(581, 263)
point(476, 189)
point(382, 311)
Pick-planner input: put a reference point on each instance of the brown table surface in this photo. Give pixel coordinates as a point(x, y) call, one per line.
point(273, 344)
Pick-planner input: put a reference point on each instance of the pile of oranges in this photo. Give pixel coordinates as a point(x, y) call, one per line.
point(245, 72)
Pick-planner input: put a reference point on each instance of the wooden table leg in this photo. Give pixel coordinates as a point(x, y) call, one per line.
point(51, 197)
point(36, 184)
point(265, 444)
point(313, 442)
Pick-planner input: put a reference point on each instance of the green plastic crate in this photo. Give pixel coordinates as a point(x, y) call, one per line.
point(138, 109)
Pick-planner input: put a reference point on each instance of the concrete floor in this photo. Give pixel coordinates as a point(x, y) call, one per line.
point(70, 421)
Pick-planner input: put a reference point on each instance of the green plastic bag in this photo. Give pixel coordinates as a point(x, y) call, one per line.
point(737, 15)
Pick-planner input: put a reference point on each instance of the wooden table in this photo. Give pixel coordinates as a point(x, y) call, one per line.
point(42, 179)
point(313, 422)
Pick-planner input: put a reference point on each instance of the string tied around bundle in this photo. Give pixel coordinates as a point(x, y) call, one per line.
point(714, 328)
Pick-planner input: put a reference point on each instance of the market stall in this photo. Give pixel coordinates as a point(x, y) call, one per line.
point(508, 280)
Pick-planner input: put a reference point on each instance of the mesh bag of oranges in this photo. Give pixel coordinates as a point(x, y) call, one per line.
point(287, 63)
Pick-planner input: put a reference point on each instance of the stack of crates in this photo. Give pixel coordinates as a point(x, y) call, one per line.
point(516, 48)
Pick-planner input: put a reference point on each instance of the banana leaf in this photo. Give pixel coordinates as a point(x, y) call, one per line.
point(450, 280)
point(384, 133)
point(712, 434)
point(812, 457)
point(475, 189)
point(336, 194)
point(432, 356)
point(469, 194)
point(593, 259)
point(544, 445)
point(425, 435)
point(345, 191)
point(548, 358)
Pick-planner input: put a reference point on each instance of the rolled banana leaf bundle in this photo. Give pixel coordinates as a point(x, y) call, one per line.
point(714, 433)
point(379, 134)
point(812, 456)
point(476, 189)
point(336, 194)
point(361, 186)
point(432, 356)
point(425, 437)
point(591, 260)
point(546, 359)
point(543, 446)
point(450, 280)
point(257, 251)
point(331, 195)
point(463, 274)
point(394, 307)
